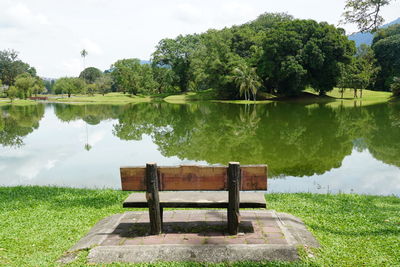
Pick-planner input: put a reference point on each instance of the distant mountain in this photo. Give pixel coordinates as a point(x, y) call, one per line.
point(366, 38)
point(145, 62)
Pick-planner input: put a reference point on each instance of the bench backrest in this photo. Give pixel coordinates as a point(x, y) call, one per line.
point(194, 178)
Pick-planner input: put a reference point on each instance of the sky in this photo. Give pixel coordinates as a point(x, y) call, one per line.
point(49, 35)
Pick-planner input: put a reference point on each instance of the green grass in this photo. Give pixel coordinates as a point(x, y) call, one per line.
point(110, 98)
point(369, 97)
point(17, 102)
point(38, 224)
point(205, 95)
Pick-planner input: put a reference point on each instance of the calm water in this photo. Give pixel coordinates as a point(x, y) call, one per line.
point(308, 148)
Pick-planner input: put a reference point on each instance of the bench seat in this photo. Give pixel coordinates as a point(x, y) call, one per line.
point(197, 200)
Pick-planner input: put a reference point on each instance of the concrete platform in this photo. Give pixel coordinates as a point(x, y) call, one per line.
point(195, 235)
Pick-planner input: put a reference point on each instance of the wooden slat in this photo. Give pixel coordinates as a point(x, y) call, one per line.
point(186, 178)
point(194, 178)
point(133, 178)
point(254, 177)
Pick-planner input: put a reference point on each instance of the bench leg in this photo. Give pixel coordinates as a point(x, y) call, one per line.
point(153, 199)
point(161, 215)
point(234, 197)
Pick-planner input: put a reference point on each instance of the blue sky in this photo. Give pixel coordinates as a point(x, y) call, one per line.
point(50, 34)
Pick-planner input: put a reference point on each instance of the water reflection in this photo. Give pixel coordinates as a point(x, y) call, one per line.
point(16, 122)
point(313, 142)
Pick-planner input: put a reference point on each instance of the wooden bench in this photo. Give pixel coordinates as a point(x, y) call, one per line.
point(234, 178)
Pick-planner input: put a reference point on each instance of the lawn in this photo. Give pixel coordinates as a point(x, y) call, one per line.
point(369, 97)
point(184, 98)
point(17, 102)
point(110, 98)
point(37, 224)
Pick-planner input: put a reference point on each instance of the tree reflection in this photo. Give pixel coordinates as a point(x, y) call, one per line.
point(16, 122)
point(293, 139)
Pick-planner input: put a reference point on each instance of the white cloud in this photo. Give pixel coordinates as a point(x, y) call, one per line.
point(188, 13)
point(19, 15)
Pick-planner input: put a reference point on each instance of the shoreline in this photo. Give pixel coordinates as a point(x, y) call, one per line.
point(369, 98)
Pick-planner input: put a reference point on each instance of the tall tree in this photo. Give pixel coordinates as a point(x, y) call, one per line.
point(386, 46)
point(69, 86)
point(84, 54)
point(90, 74)
point(24, 84)
point(302, 53)
point(364, 13)
point(247, 80)
point(126, 75)
point(176, 54)
point(104, 83)
point(11, 67)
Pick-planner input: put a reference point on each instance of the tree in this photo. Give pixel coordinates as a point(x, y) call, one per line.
point(131, 76)
point(24, 84)
point(90, 74)
point(12, 93)
point(84, 54)
point(69, 86)
point(366, 61)
point(386, 46)
point(303, 53)
point(164, 78)
point(176, 54)
point(91, 88)
point(126, 75)
point(11, 67)
point(104, 83)
point(395, 86)
point(247, 80)
point(364, 13)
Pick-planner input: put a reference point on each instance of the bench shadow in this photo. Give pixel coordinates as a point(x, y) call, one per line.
point(202, 228)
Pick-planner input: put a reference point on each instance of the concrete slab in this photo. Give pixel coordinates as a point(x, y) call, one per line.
point(196, 235)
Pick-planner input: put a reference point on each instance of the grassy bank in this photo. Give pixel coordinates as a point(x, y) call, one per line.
point(205, 95)
point(37, 224)
point(369, 97)
point(110, 98)
point(17, 102)
point(333, 98)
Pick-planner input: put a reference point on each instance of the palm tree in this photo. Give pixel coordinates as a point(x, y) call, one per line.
point(84, 53)
point(247, 80)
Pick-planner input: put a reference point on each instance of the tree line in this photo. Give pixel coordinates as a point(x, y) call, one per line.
point(18, 77)
point(275, 54)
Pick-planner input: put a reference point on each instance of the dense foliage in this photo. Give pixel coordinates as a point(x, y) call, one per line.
point(287, 54)
point(303, 53)
point(90, 74)
point(274, 54)
point(11, 67)
point(386, 46)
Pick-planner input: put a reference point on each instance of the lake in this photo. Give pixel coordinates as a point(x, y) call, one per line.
point(308, 148)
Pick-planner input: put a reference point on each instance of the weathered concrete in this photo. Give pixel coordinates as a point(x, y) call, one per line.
point(298, 230)
point(199, 253)
point(196, 235)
